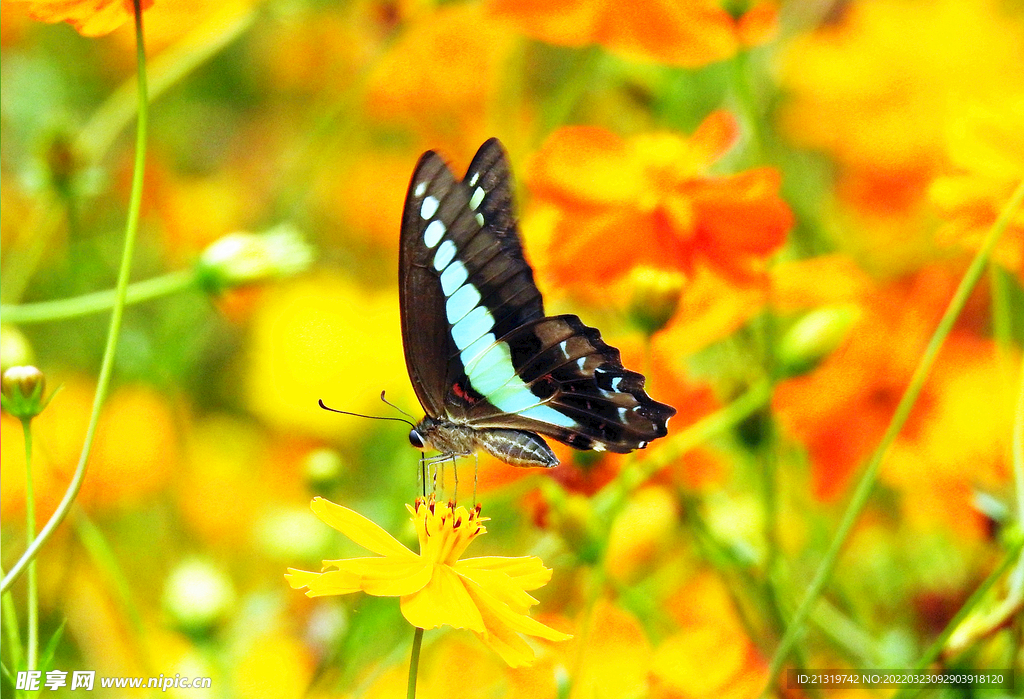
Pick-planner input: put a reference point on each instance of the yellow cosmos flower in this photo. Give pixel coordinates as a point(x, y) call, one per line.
point(486, 595)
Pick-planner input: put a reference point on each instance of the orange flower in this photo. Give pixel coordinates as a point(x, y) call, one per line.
point(649, 200)
point(88, 17)
point(441, 77)
point(687, 34)
point(841, 409)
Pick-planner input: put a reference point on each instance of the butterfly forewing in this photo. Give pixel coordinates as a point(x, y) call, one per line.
point(425, 329)
point(464, 279)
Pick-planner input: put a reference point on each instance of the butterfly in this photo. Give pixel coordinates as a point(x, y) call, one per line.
point(491, 371)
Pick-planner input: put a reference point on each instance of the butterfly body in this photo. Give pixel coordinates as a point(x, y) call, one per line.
point(490, 369)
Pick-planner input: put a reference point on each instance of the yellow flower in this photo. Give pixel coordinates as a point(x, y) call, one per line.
point(486, 595)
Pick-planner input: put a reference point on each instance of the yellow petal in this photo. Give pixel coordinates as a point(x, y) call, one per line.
point(385, 577)
point(333, 582)
point(528, 572)
point(510, 646)
point(500, 615)
point(359, 529)
point(443, 601)
point(505, 589)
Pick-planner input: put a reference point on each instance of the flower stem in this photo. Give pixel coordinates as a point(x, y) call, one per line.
point(121, 294)
point(414, 662)
point(1002, 327)
point(867, 481)
point(1017, 450)
point(13, 636)
point(1017, 459)
point(62, 309)
point(32, 597)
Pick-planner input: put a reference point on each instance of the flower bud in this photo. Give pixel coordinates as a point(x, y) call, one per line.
point(655, 297)
point(247, 258)
point(15, 349)
point(23, 388)
point(323, 467)
point(198, 595)
point(814, 337)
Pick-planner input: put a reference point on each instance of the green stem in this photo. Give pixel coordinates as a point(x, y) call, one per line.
point(62, 309)
point(1017, 450)
point(1017, 458)
point(164, 71)
point(1002, 327)
point(867, 481)
point(106, 124)
point(106, 368)
point(10, 623)
point(929, 656)
point(32, 600)
point(414, 662)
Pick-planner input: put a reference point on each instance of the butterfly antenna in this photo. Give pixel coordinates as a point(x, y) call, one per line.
point(369, 417)
point(394, 406)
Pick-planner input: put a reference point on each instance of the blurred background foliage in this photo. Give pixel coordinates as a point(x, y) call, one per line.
point(829, 169)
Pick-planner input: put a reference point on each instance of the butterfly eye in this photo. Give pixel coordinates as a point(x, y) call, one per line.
point(416, 440)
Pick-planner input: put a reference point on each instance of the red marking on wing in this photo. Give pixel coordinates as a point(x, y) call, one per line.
point(459, 391)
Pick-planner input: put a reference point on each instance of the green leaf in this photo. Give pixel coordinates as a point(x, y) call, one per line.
point(46, 657)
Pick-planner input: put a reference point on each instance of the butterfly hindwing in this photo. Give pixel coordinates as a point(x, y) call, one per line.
point(570, 385)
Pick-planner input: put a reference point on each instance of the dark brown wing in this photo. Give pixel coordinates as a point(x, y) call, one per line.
point(450, 226)
point(571, 386)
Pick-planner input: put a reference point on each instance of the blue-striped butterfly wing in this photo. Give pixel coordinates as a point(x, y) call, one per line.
point(479, 350)
point(463, 277)
point(570, 385)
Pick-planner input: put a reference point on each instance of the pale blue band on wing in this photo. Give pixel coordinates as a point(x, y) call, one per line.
point(487, 362)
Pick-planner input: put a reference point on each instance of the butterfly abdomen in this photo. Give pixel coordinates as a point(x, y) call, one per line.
point(515, 447)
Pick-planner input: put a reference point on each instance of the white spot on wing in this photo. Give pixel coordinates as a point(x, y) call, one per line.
point(429, 207)
point(435, 231)
point(420, 189)
point(444, 255)
point(459, 304)
point(492, 370)
point(470, 354)
point(473, 326)
point(478, 196)
point(453, 277)
point(475, 179)
point(480, 219)
point(598, 447)
point(622, 414)
point(615, 382)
